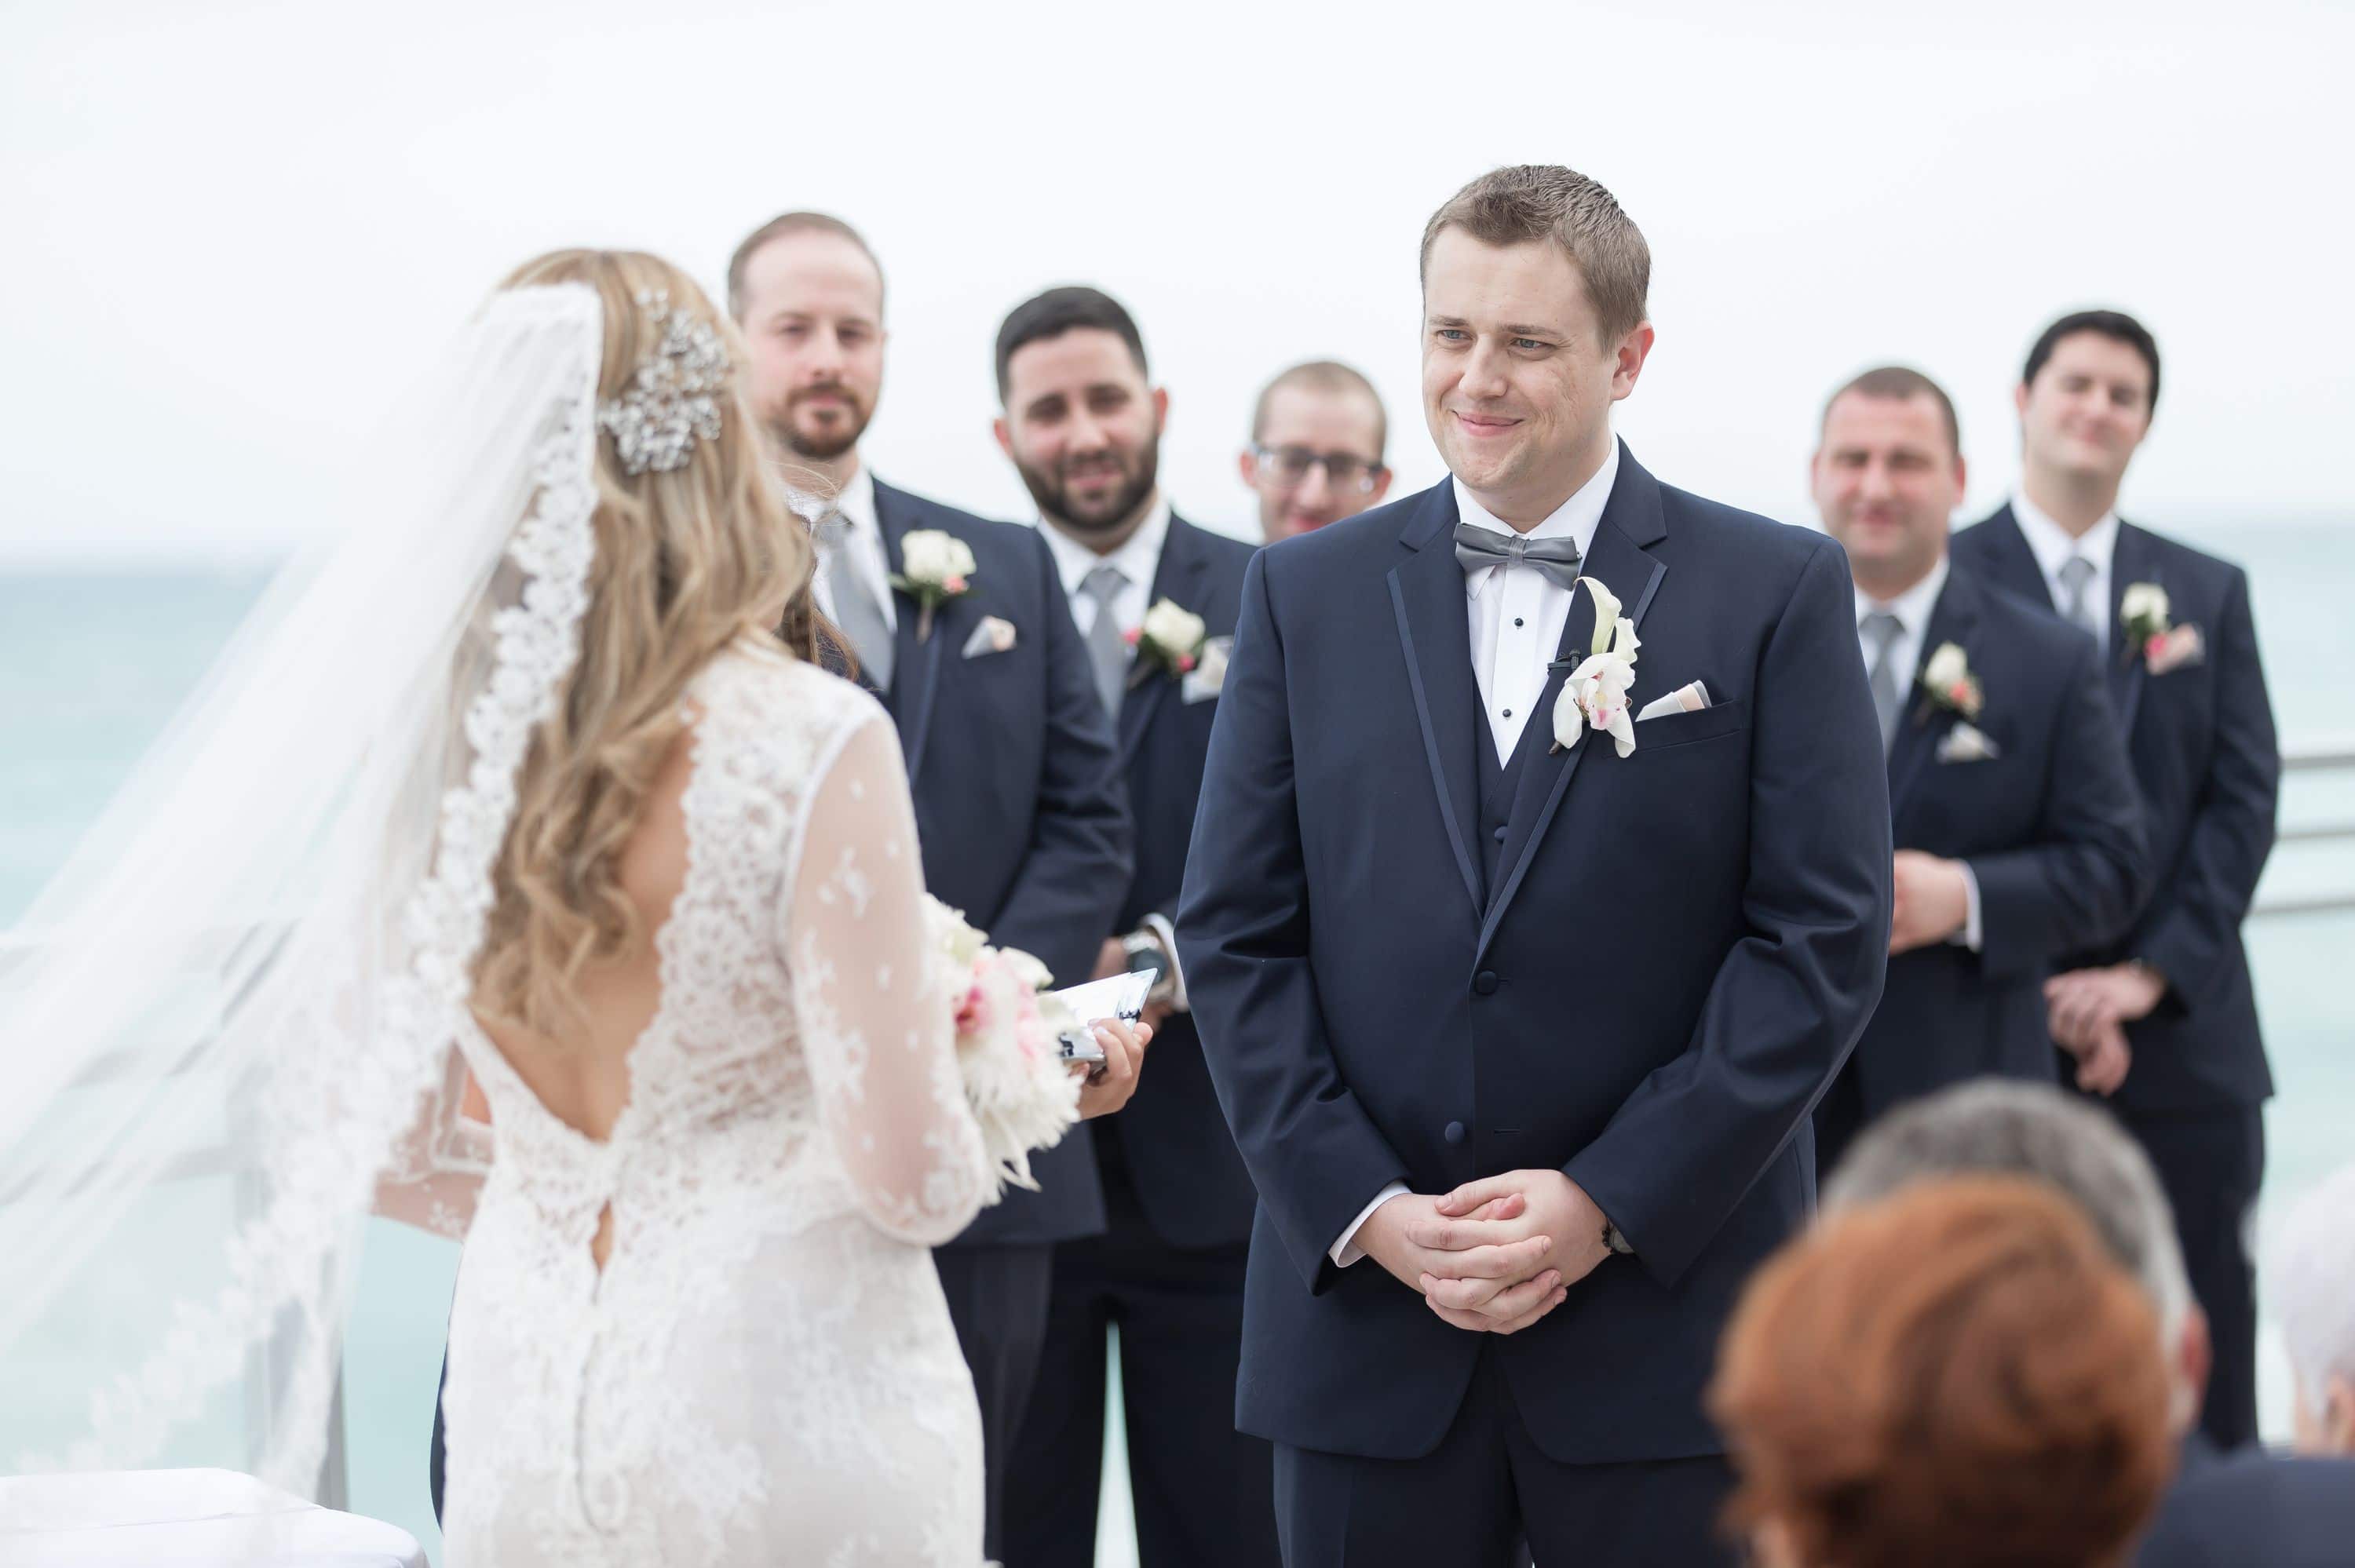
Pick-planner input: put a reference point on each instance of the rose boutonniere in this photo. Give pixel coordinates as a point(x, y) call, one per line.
point(1948, 683)
point(2163, 645)
point(1171, 638)
point(934, 567)
point(1595, 694)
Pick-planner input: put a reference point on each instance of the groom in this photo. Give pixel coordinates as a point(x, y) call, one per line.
point(1518, 1030)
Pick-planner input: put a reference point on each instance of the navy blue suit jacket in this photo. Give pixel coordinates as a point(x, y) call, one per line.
point(1020, 807)
point(2251, 1508)
point(2050, 826)
point(2208, 769)
point(1682, 947)
point(1189, 1181)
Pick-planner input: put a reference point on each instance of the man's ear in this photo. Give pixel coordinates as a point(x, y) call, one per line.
point(1005, 435)
point(1634, 349)
point(1247, 464)
point(1381, 487)
point(2193, 1355)
point(2339, 1414)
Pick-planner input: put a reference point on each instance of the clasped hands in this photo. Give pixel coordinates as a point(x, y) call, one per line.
point(1493, 1255)
point(2088, 1010)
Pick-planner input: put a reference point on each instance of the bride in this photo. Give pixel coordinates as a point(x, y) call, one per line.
point(519, 789)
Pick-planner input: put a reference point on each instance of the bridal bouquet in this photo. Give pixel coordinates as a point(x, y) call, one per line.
point(1022, 1091)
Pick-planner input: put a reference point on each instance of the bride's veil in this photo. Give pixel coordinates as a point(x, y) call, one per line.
point(232, 1011)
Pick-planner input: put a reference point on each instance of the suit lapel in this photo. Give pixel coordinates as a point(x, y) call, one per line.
point(1178, 578)
point(916, 666)
point(2011, 564)
point(2132, 561)
point(1619, 560)
point(1435, 627)
point(1954, 618)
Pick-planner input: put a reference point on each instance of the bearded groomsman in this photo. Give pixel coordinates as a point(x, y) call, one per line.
point(1156, 600)
point(2180, 656)
point(1316, 452)
point(960, 628)
point(2018, 832)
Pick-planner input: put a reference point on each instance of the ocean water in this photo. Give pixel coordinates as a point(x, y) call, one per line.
point(93, 663)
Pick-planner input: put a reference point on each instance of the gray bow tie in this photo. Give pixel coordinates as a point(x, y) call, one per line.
point(1477, 548)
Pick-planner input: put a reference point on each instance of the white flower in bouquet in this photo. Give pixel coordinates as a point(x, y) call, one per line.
point(1021, 1090)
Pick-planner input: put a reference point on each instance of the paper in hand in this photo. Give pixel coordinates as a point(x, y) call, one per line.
point(1122, 997)
point(1689, 698)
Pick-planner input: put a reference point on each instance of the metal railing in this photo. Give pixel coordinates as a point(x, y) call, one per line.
point(2334, 757)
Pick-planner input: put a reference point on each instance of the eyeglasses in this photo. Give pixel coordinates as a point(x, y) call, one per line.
point(1343, 470)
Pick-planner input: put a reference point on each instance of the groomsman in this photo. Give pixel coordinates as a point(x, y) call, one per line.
point(1316, 452)
point(1518, 1003)
point(1011, 757)
point(2018, 832)
point(2180, 656)
point(1156, 600)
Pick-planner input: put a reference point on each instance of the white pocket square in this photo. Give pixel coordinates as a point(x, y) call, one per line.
point(1203, 682)
point(1966, 743)
point(1689, 698)
point(994, 635)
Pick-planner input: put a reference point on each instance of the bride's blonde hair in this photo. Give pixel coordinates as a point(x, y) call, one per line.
point(689, 563)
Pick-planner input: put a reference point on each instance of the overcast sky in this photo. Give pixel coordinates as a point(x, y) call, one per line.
point(235, 230)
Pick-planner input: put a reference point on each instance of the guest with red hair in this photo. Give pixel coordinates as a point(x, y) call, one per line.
point(1956, 1377)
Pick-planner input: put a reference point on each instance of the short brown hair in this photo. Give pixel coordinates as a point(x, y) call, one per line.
point(1897, 383)
point(1545, 201)
point(1956, 1377)
point(784, 227)
point(1323, 376)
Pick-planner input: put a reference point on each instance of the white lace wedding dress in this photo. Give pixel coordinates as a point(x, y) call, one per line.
point(765, 1370)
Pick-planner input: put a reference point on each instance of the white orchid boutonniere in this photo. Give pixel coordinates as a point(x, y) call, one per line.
point(2163, 645)
point(935, 567)
point(1171, 638)
point(1595, 694)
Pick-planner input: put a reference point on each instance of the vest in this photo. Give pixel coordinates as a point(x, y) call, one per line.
point(1499, 783)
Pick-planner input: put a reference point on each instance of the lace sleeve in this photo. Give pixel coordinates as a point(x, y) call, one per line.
point(877, 1029)
point(437, 1168)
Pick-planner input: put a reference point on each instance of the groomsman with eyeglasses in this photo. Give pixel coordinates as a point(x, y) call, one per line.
point(2179, 652)
point(1156, 600)
point(1316, 452)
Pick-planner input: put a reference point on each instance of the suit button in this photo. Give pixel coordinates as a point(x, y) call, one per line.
point(1453, 1132)
point(1500, 834)
point(1484, 982)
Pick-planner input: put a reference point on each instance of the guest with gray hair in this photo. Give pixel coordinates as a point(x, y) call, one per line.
point(2249, 1508)
point(2312, 1282)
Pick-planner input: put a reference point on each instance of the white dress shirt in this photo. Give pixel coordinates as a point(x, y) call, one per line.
point(1913, 610)
point(1518, 614)
point(1138, 561)
point(2054, 544)
point(864, 549)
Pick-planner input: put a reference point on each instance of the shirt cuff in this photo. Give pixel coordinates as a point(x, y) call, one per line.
point(1973, 935)
point(1159, 927)
point(1346, 1250)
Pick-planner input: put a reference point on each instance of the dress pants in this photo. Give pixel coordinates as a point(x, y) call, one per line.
point(998, 1299)
point(2210, 1162)
point(1201, 1489)
point(1470, 1502)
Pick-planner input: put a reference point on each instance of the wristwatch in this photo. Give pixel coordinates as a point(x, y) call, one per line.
point(1614, 1241)
point(1147, 956)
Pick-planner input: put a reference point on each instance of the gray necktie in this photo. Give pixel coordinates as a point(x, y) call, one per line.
point(1478, 548)
point(2076, 609)
point(856, 611)
point(1107, 648)
point(1881, 630)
